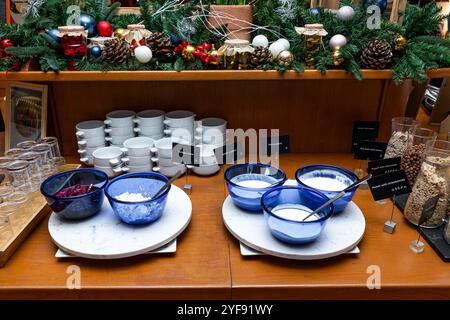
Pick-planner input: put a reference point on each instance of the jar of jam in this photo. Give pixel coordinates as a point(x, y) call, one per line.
point(73, 42)
point(136, 35)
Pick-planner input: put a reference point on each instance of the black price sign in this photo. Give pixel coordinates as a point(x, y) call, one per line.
point(229, 153)
point(387, 185)
point(378, 167)
point(370, 150)
point(364, 131)
point(185, 154)
point(276, 145)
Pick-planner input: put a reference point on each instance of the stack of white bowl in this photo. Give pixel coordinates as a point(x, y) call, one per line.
point(150, 123)
point(119, 126)
point(111, 160)
point(163, 159)
point(90, 136)
point(180, 124)
point(211, 131)
point(139, 153)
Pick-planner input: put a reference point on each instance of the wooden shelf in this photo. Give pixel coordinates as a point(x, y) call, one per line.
point(208, 263)
point(200, 75)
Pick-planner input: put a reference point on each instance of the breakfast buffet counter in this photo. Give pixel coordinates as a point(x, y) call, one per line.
point(208, 263)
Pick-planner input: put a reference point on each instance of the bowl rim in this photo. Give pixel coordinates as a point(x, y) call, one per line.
point(255, 163)
point(326, 217)
point(46, 181)
point(132, 175)
point(347, 172)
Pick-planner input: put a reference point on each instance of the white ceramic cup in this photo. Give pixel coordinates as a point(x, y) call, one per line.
point(216, 124)
point(150, 118)
point(118, 140)
point(112, 172)
point(148, 131)
point(90, 129)
point(120, 131)
point(139, 146)
point(109, 156)
point(179, 118)
point(92, 142)
point(120, 118)
point(139, 161)
point(164, 146)
point(140, 168)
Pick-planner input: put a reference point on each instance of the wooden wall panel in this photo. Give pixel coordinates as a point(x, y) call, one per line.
point(317, 114)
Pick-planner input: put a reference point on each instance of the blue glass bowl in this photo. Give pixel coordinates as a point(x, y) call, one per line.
point(144, 183)
point(285, 208)
point(319, 171)
point(247, 182)
point(76, 207)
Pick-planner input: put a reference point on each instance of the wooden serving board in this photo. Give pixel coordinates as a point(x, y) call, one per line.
point(36, 209)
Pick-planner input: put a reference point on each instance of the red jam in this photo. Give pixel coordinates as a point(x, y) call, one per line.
point(75, 190)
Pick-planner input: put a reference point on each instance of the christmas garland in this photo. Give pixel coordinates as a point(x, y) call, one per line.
point(178, 36)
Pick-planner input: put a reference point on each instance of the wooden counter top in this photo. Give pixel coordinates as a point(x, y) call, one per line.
point(208, 263)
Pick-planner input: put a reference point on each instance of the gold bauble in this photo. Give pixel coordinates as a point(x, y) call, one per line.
point(118, 33)
point(188, 52)
point(399, 42)
point(214, 57)
point(285, 58)
point(337, 57)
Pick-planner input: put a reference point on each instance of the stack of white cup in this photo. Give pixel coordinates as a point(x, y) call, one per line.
point(150, 123)
point(180, 124)
point(90, 136)
point(163, 161)
point(111, 160)
point(140, 153)
point(119, 126)
point(211, 131)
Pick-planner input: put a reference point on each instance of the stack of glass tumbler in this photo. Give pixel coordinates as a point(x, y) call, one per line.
point(23, 168)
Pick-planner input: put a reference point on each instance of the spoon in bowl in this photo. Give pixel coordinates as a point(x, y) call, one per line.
point(168, 183)
point(339, 195)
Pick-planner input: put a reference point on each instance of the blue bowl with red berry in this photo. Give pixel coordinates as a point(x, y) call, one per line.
point(75, 194)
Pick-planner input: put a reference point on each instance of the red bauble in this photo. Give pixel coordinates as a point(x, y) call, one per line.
point(4, 43)
point(104, 29)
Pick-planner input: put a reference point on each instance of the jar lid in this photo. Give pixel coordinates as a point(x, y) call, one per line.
point(312, 29)
point(66, 29)
point(135, 27)
point(237, 42)
point(17, 165)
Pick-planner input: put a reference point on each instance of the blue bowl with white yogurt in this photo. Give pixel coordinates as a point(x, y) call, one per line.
point(285, 208)
point(330, 180)
point(131, 197)
point(247, 182)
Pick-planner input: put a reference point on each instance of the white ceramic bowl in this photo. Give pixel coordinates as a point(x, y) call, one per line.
point(120, 131)
point(206, 170)
point(90, 129)
point(150, 118)
point(164, 146)
point(170, 171)
point(120, 118)
point(138, 146)
point(118, 140)
point(139, 161)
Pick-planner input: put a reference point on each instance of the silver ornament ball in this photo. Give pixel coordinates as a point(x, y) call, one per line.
point(345, 13)
point(260, 41)
point(337, 41)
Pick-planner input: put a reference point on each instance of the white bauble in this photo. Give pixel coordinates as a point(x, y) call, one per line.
point(285, 43)
point(143, 54)
point(260, 41)
point(276, 48)
point(337, 41)
point(345, 13)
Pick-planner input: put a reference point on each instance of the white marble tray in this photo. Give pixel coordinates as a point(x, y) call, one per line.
point(342, 233)
point(105, 236)
point(171, 247)
point(248, 252)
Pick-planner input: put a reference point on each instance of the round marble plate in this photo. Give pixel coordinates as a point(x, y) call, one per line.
point(342, 233)
point(105, 236)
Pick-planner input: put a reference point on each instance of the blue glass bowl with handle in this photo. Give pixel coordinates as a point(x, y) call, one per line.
point(75, 207)
point(329, 180)
point(143, 184)
point(247, 182)
point(286, 207)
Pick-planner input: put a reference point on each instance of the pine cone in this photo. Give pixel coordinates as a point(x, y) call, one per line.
point(260, 57)
point(116, 51)
point(377, 54)
point(161, 45)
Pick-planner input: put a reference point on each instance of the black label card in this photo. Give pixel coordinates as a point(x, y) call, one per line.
point(229, 153)
point(383, 166)
point(365, 130)
point(387, 185)
point(275, 145)
point(370, 150)
point(185, 154)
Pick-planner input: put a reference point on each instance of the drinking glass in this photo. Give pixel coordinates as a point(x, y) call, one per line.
point(34, 160)
point(5, 191)
point(14, 152)
point(20, 174)
point(26, 145)
point(54, 150)
point(4, 163)
point(47, 165)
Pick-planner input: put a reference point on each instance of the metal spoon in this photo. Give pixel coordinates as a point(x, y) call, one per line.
point(339, 195)
point(168, 183)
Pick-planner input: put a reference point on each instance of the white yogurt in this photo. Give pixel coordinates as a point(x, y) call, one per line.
point(254, 181)
point(294, 212)
point(324, 183)
point(132, 197)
